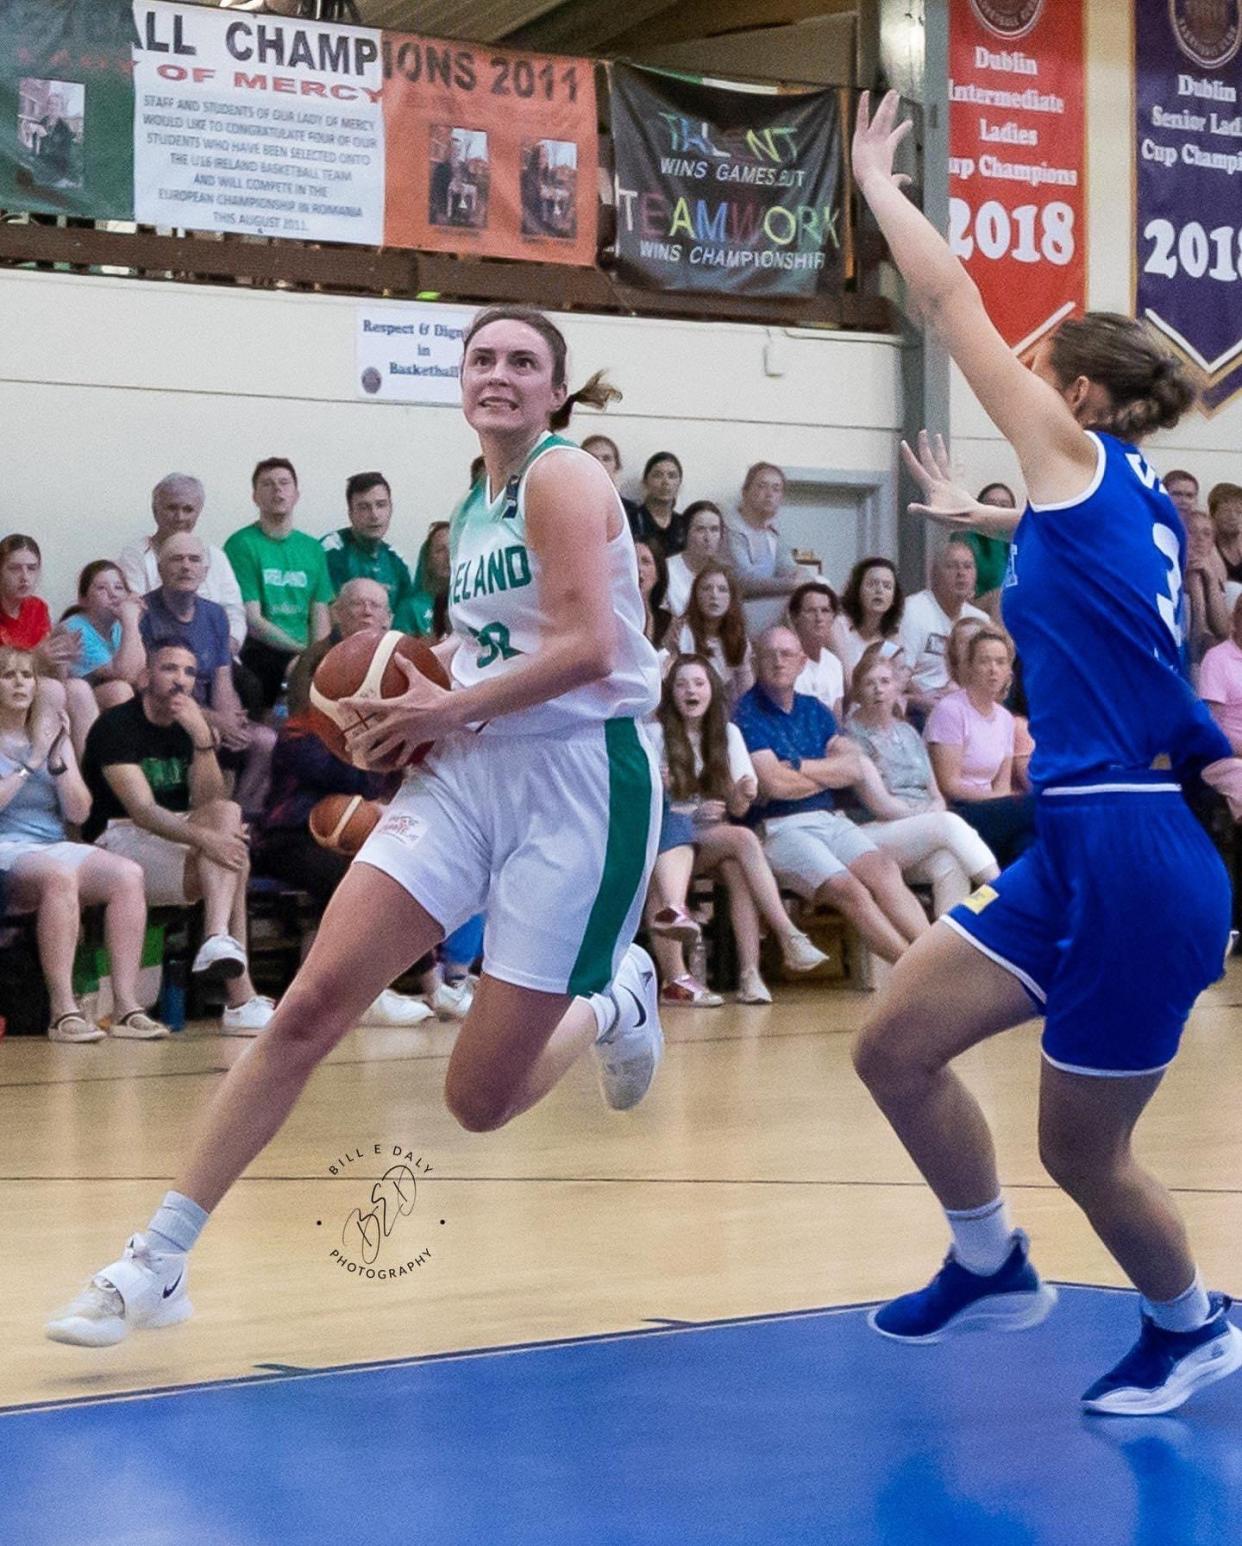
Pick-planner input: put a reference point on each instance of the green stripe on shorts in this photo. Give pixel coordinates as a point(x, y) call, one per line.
point(625, 856)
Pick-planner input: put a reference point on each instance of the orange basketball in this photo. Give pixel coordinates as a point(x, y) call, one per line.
point(364, 663)
point(343, 822)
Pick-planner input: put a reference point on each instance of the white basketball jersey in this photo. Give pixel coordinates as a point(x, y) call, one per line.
point(494, 609)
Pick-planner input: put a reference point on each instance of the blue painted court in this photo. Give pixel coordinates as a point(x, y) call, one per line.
point(797, 1428)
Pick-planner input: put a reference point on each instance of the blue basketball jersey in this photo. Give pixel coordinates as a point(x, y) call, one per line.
point(1092, 599)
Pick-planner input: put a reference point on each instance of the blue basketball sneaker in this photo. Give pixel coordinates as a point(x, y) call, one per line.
point(1010, 1299)
point(1163, 1367)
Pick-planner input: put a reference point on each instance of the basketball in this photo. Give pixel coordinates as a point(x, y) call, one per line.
point(364, 663)
point(343, 822)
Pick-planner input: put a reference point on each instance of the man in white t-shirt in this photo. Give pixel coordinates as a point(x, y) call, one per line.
point(1220, 681)
point(813, 612)
point(177, 503)
point(928, 620)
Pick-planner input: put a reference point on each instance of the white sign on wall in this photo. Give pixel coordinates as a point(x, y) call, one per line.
point(411, 353)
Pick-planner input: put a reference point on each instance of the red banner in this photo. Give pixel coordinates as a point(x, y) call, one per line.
point(1017, 159)
point(491, 152)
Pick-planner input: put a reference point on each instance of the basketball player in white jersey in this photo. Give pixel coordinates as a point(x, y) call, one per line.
point(539, 805)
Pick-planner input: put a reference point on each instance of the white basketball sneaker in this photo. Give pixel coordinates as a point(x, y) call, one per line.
point(141, 1292)
point(630, 1049)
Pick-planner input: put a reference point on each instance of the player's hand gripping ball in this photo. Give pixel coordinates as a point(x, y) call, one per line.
point(365, 666)
point(341, 823)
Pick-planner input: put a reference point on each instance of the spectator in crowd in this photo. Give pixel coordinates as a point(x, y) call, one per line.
point(704, 535)
point(708, 775)
point(283, 577)
point(653, 588)
point(304, 771)
point(970, 737)
point(756, 551)
point(41, 795)
point(1207, 610)
point(177, 504)
point(359, 551)
point(657, 519)
point(960, 635)
point(927, 619)
point(872, 605)
point(607, 453)
point(933, 845)
point(26, 624)
point(1182, 487)
point(427, 613)
point(362, 604)
point(715, 626)
point(158, 797)
point(1225, 509)
point(177, 613)
point(813, 611)
point(1220, 681)
point(991, 553)
point(106, 620)
point(813, 849)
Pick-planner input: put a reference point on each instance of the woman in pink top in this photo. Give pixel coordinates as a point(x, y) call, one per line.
point(970, 739)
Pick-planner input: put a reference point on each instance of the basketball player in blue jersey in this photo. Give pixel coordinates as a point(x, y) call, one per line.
point(1118, 916)
point(539, 802)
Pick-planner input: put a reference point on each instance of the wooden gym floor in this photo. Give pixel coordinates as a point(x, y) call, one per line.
point(756, 1178)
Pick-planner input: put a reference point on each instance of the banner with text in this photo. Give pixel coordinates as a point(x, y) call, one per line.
point(1188, 183)
point(1017, 159)
point(410, 352)
point(498, 151)
point(720, 189)
point(267, 125)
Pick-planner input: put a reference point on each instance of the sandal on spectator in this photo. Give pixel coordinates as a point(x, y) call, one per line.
point(138, 1025)
point(690, 992)
point(73, 1027)
point(672, 923)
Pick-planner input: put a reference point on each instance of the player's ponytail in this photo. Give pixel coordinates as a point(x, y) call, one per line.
point(596, 392)
point(1148, 388)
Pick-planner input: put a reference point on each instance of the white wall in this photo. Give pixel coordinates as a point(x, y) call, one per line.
point(1211, 448)
point(106, 384)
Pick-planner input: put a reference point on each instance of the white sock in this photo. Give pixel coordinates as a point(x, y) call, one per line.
point(605, 1009)
point(1187, 1312)
point(175, 1225)
point(982, 1237)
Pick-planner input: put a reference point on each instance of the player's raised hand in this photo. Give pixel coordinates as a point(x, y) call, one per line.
point(876, 140)
point(944, 501)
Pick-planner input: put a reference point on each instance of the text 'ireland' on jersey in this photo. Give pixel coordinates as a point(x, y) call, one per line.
point(494, 608)
point(1092, 599)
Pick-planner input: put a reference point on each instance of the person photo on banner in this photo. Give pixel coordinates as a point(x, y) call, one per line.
point(549, 188)
point(460, 175)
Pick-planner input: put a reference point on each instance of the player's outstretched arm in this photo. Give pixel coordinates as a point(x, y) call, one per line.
point(1057, 458)
point(945, 501)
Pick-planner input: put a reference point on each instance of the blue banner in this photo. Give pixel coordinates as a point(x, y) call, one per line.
point(1188, 182)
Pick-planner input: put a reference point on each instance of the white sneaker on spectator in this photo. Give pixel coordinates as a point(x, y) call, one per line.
point(452, 1000)
point(751, 988)
point(220, 957)
point(674, 923)
point(630, 1049)
point(799, 954)
point(247, 1019)
point(397, 1009)
point(140, 1292)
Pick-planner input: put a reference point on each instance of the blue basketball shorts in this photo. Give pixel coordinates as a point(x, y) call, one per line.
point(1114, 921)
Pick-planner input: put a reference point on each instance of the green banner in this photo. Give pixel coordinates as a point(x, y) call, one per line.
point(67, 107)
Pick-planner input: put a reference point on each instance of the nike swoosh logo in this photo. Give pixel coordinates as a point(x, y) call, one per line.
point(173, 1287)
point(638, 1004)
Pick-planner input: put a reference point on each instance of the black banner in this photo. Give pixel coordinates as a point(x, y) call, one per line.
point(722, 189)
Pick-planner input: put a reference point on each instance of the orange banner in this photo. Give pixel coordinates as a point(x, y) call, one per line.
point(1017, 161)
point(491, 152)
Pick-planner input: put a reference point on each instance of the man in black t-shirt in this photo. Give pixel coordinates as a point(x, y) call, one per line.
point(158, 797)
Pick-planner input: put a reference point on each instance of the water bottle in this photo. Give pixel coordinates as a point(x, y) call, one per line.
point(172, 995)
